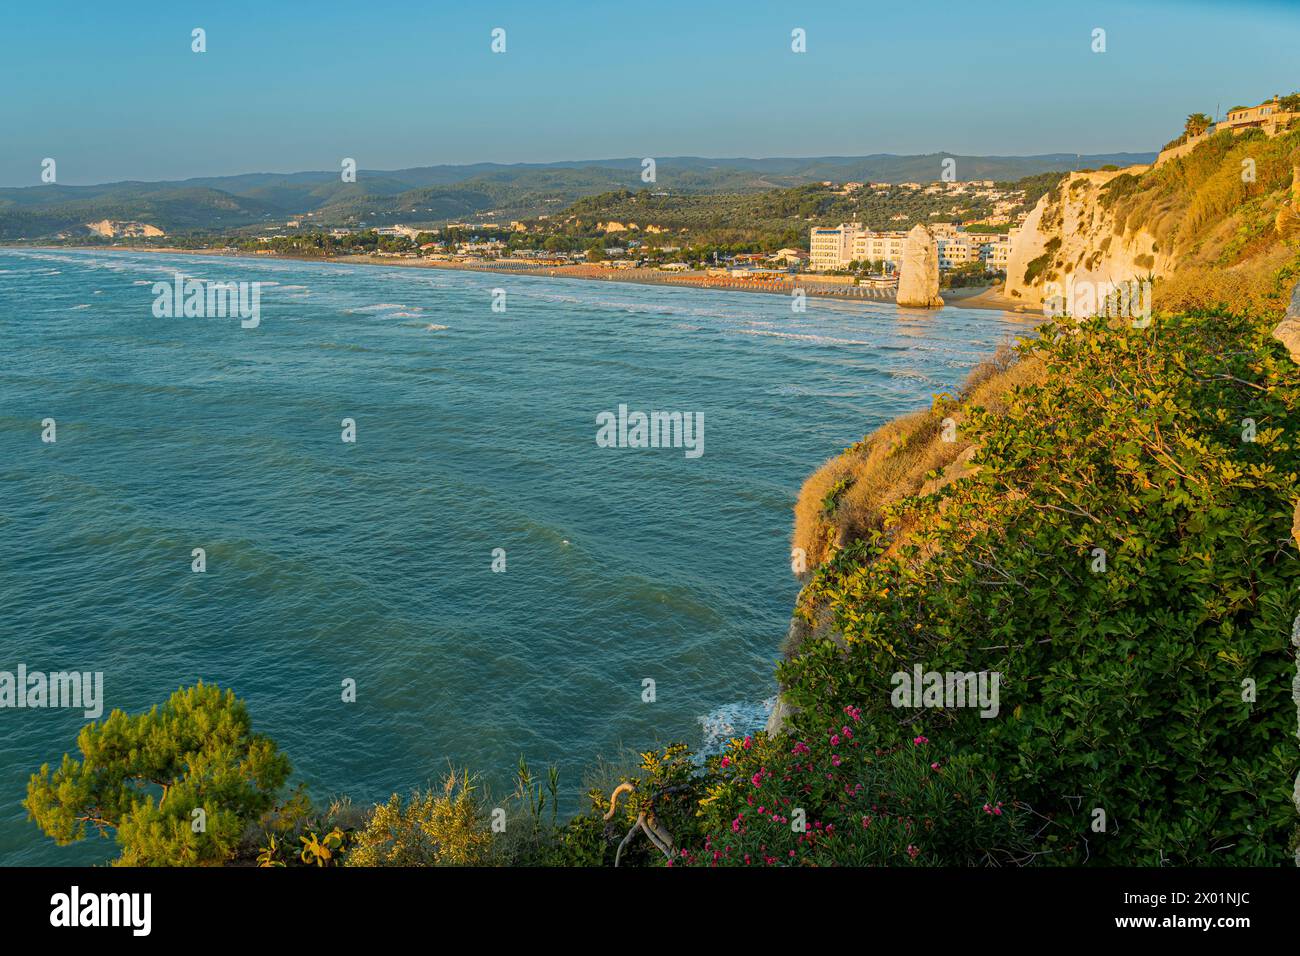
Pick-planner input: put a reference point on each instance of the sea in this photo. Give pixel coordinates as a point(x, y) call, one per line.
point(471, 580)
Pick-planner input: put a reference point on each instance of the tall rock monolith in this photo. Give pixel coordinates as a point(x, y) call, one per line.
point(918, 274)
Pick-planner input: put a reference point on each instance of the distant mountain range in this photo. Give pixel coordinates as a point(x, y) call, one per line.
point(436, 194)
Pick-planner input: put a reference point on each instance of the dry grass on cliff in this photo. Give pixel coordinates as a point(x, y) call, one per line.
point(1249, 288)
point(843, 500)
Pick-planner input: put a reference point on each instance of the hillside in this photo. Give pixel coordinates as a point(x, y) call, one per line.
point(1102, 536)
point(436, 194)
point(1108, 519)
point(785, 215)
point(1202, 226)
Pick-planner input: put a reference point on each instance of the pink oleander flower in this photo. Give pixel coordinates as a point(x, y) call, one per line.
point(835, 760)
point(835, 740)
point(749, 743)
point(912, 851)
point(934, 766)
point(917, 741)
point(726, 761)
point(756, 780)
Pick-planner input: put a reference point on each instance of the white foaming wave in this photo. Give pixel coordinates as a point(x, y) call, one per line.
point(84, 305)
point(379, 307)
point(733, 720)
point(435, 328)
point(803, 337)
point(909, 374)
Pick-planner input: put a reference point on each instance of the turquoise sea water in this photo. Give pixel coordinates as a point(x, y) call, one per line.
point(372, 561)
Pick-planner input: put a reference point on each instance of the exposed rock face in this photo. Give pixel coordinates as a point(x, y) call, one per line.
point(1288, 332)
point(113, 229)
point(776, 720)
point(1070, 240)
point(918, 275)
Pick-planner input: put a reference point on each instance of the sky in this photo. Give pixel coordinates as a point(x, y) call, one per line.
point(112, 90)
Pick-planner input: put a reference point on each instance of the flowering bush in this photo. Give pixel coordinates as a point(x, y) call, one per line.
point(839, 799)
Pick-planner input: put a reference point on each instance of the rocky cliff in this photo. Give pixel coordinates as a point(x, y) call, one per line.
point(1073, 237)
point(1210, 229)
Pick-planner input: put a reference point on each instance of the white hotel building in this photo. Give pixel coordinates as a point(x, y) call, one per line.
point(833, 248)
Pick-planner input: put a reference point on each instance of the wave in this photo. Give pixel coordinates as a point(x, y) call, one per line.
point(804, 337)
point(379, 307)
point(723, 723)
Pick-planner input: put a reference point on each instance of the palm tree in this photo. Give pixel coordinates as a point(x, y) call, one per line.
point(1197, 123)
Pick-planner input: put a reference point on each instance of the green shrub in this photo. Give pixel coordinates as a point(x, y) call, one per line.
point(431, 828)
point(835, 799)
point(178, 785)
point(1124, 690)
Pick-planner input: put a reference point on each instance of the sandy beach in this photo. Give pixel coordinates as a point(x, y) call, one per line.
point(966, 298)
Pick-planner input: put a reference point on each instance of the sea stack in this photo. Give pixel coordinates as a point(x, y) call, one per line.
point(918, 275)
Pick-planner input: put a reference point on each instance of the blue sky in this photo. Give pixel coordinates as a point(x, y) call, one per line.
point(112, 91)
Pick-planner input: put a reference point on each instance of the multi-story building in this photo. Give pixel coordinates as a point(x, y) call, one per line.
point(836, 248)
point(886, 247)
point(831, 248)
point(1000, 252)
point(954, 252)
point(1270, 115)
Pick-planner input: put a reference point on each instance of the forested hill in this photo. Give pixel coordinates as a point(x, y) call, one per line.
point(436, 194)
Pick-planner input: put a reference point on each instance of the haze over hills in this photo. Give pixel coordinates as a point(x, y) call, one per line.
point(438, 194)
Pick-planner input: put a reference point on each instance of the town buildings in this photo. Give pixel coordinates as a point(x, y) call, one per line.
point(836, 247)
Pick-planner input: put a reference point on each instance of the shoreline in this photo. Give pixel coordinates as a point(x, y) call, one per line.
point(988, 298)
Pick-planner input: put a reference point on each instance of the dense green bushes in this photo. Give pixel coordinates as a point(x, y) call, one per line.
point(1122, 556)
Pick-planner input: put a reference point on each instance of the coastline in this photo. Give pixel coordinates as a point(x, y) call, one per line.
point(990, 298)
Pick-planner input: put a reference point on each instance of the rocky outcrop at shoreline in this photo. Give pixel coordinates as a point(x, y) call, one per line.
point(918, 274)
